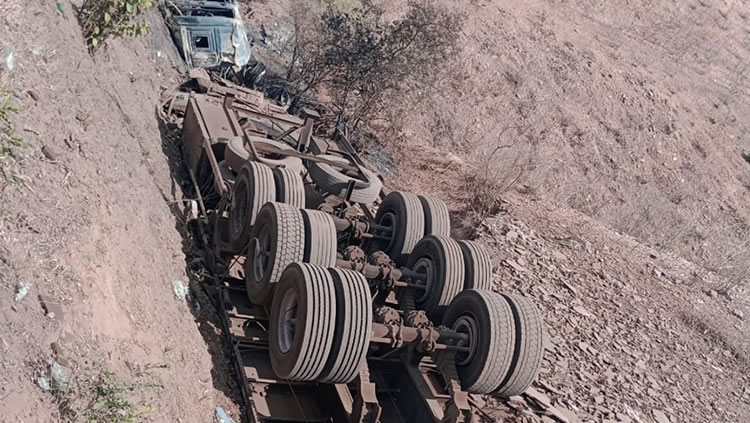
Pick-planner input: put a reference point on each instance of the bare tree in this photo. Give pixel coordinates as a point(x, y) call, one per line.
point(359, 58)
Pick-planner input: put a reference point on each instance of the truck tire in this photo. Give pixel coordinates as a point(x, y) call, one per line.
point(486, 317)
point(277, 240)
point(253, 188)
point(353, 327)
point(439, 258)
point(478, 266)
point(303, 318)
point(334, 181)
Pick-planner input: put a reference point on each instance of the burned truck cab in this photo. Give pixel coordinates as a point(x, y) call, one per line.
point(207, 32)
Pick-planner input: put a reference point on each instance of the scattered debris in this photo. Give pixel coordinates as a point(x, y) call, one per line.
point(582, 311)
point(61, 9)
point(208, 33)
point(738, 313)
point(52, 309)
point(180, 290)
point(43, 383)
point(222, 416)
point(50, 153)
point(60, 376)
point(34, 94)
point(22, 290)
point(8, 60)
point(59, 354)
point(82, 116)
point(660, 416)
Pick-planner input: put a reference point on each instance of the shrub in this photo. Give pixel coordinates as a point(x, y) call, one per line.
point(102, 20)
point(10, 143)
point(361, 59)
point(746, 156)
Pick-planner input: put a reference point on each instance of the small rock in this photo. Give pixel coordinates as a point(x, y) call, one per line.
point(511, 235)
point(517, 267)
point(538, 397)
point(624, 418)
point(60, 376)
point(712, 293)
point(43, 383)
point(582, 311)
point(82, 116)
point(566, 415)
point(51, 308)
point(660, 416)
point(738, 313)
point(22, 290)
point(50, 153)
point(34, 94)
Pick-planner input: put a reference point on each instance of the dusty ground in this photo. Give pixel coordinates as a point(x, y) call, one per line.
point(94, 224)
point(627, 125)
point(631, 114)
point(630, 332)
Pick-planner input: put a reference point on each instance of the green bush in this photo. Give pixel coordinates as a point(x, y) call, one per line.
point(11, 145)
point(102, 20)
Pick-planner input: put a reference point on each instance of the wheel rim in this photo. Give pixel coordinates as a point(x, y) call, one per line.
point(389, 220)
point(425, 266)
point(287, 326)
point(468, 326)
point(238, 215)
point(261, 254)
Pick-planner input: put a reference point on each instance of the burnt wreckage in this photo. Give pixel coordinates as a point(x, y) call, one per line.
point(207, 32)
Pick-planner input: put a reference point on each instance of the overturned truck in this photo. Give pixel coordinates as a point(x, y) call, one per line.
point(342, 301)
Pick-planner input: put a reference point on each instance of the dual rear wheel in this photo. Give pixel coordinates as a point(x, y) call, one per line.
point(321, 321)
point(505, 340)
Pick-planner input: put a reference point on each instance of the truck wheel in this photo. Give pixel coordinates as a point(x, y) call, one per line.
point(276, 241)
point(320, 238)
point(236, 155)
point(436, 218)
point(351, 337)
point(402, 213)
point(335, 181)
point(478, 266)
point(253, 188)
point(303, 317)
point(289, 187)
point(439, 259)
point(529, 347)
point(487, 319)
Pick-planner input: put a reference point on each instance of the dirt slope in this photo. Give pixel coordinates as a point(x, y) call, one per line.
point(91, 220)
point(630, 332)
point(632, 114)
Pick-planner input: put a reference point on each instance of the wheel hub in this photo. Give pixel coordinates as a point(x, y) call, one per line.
point(261, 249)
point(425, 266)
point(468, 326)
point(238, 214)
point(389, 220)
point(287, 320)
